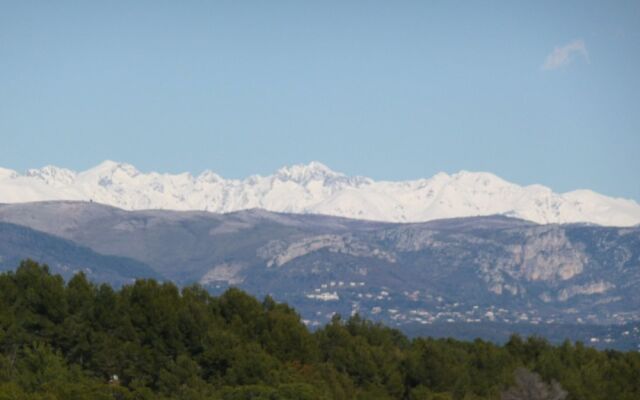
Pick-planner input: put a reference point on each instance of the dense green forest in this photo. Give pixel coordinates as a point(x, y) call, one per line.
point(152, 340)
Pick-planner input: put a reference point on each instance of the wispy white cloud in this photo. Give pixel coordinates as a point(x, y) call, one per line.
point(564, 55)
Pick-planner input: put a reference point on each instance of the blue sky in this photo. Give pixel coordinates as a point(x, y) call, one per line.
point(535, 92)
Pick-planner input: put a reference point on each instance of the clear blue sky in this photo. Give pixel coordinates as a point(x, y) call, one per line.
point(388, 89)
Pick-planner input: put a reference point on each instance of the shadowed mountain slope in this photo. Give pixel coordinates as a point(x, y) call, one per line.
point(65, 257)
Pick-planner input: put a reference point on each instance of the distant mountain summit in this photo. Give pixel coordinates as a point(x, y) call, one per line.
point(315, 188)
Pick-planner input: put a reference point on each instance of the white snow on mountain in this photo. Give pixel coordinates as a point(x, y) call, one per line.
point(314, 188)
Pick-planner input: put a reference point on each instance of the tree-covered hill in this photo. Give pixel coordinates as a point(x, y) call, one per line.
point(151, 340)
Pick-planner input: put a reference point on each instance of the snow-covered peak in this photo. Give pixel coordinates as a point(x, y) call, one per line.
point(110, 168)
point(52, 175)
point(209, 176)
point(479, 179)
point(6, 173)
point(315, 188)
point(307, 172)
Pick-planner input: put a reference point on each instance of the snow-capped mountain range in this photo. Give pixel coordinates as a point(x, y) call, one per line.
point(314, 188)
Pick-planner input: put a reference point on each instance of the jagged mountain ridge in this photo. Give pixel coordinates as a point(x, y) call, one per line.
point(314, 188)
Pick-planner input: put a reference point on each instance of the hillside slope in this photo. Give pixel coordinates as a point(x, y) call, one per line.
point(65, 257)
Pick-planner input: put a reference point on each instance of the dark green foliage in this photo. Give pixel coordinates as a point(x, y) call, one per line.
point(70, 341)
